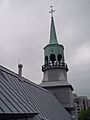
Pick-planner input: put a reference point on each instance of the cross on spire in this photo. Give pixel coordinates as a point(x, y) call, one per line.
point(52, 10)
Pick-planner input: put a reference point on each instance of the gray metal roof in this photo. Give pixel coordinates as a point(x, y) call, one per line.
point(21, 96)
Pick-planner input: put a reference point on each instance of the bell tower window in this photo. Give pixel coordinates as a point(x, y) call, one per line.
point(59, 57)
point(52, 58)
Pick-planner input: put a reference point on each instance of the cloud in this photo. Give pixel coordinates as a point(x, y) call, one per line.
point(24, 32)
point(81, 56)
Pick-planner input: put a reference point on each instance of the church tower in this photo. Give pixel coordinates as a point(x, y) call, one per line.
point(55, 70)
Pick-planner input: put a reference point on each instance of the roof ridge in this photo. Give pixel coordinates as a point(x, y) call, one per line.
point(23, 79)
point(36, 85)
point(2, 68)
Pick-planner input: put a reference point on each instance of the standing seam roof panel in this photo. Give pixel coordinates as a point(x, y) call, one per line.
point(15, 96)
point(29, 93)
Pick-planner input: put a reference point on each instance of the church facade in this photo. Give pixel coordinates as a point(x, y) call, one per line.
point(55, 71)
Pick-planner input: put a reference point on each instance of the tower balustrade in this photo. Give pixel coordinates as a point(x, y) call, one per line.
point(55, 65)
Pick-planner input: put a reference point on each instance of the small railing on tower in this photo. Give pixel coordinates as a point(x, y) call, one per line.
point(55, 65)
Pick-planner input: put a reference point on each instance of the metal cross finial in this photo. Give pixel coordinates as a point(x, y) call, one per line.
point(52, 10)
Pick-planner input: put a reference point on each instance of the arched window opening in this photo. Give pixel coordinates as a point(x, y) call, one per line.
point(46, 60)
point(52, 58)
point(59, 57)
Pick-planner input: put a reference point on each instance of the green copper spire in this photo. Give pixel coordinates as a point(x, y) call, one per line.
point(53, 37)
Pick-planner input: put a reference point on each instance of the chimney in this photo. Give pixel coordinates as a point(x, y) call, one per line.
point(20, 66)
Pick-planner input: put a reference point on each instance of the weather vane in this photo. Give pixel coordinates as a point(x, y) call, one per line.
point(52, 10)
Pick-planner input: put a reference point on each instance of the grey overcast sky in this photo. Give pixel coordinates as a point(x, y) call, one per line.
point(24, 32)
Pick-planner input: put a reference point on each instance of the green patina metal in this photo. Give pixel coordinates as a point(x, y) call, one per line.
point(53, 47)
point(53, 37)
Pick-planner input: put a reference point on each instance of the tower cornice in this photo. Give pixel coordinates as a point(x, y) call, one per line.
point(54, 45)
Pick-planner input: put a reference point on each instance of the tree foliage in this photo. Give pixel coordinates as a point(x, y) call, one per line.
point(88, 113)
point(84, 114)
